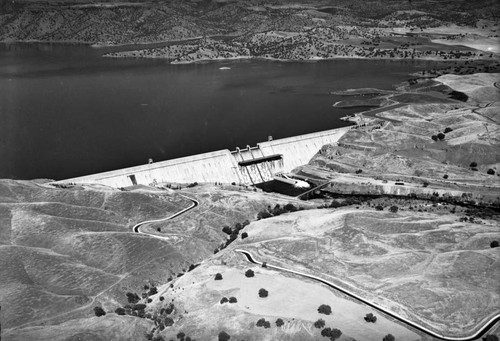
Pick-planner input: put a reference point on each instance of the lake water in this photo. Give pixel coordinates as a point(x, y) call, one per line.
point(66, 111)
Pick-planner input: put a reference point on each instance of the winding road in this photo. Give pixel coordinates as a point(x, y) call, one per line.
point(136, 227)
point(475, 336)
point(423, 329)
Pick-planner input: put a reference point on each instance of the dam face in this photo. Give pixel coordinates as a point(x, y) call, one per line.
point(248, 166)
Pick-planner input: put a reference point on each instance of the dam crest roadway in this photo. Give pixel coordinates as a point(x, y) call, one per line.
point(246, 166)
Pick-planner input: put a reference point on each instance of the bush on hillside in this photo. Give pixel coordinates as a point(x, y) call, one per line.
point(447, 130)
point(249, 273)
point(370, 318)
point(319, 324)
point(232, 299)
point(223, 336)
point(389, 337)
point(218, 277)
point(331, 333)
point(120, 311)
point(473, 164)
point(279, 322)
point(263, 293)
point(394, 209)
point(224, 300)
point(379, 208)
point(325, 309)
point(98, 311)
point(132, 297)
point(494, 244)
point(244, 235)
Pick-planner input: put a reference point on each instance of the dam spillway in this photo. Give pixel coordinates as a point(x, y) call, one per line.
point(248, 166)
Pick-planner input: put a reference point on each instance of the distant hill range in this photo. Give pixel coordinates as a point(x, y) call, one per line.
point(126, 22)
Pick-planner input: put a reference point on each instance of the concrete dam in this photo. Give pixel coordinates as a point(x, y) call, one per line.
point(249, 165)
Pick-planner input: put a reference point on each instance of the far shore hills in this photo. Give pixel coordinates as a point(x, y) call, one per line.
point(193, 31)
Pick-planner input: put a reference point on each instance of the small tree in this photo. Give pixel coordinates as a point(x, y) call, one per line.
point(249, 273)
point(494, 244)
point(218, 277)
point(98, 311)
point(181, 335)
point(393, 209)
point(279, 322)
point(434, 137)
point(331, 333)
point(224, 300)
point(325, 309)
point(227, 230)
point(168, 322)
point(320, 323)
point(447, 130)
point(473, 164)
point(261, 322)
point(490, 172)
point(370, 318)
point(232, 299)
point(441, 136)
point(445, 176)
point(244, 235)
point(379, 208)
point(223, 336)
point(389, 337)
point(132, 297)
point(120, 311)
point(263, 293)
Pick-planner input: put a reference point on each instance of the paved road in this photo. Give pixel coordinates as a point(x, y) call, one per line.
point(471, 337)
point(136, 227)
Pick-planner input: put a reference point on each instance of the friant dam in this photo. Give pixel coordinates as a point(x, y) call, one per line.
point(247, 166)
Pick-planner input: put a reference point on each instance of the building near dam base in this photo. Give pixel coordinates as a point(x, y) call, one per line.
point(248, 166)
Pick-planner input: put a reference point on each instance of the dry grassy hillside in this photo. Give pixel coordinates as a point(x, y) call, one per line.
point(428, 266)
point(65, 251)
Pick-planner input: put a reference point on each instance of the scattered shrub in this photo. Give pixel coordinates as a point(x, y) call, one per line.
point(494, 244)
point(224, 300)
point(169, 309)
point(132, 297)
point(218, 276)
point(388, 337)
point(161, 298)
point(180, 335)
point(359, 171)
point(331, 333)
point(263, 215)
point(223, 336)
point(139, 306)
point(325, 309)
point(150, 300)
point(473, 164)
point(261, 322)
point(441, 136)
point(227, 230)
point(447, 130)
point(168, 322)
point(445, 176)
point(490, 172)
point(379, 208)
point(249, 273)
point(434, 137)
point(120, 311)
point(370, 318)
point(244, 235)
point(98, 311)
point(232, 299)
point(393, 209)
point(290, 208)
point(279, 322)
point(320, 323)
point(263, 293)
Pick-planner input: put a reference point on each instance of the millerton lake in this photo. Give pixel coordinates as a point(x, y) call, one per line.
point(66, 111)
